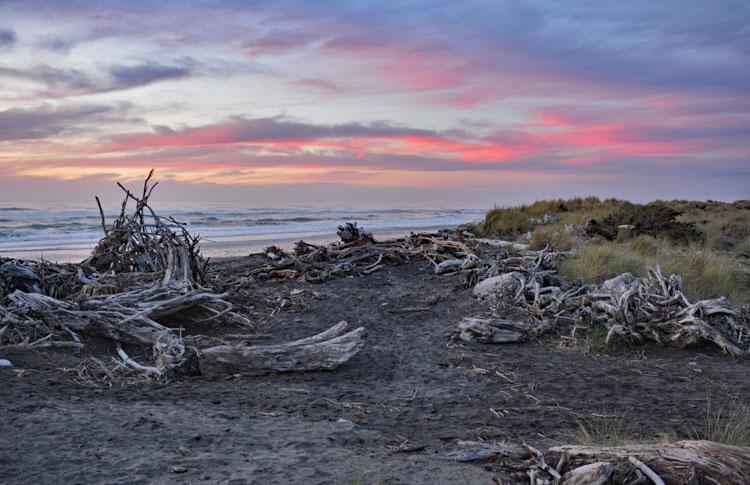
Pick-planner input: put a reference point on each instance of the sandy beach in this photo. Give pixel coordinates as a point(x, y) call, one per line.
point(398, 412)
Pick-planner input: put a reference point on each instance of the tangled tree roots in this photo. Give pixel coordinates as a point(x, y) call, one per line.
point(635, 309)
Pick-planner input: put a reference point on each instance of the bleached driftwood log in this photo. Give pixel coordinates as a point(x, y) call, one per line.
point(324, 351)
point(132, 318)
point(492, 330)
point(680, 462)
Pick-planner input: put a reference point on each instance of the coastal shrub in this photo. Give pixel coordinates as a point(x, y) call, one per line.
point(655, 219)
point(744, 250)
point(729, 232)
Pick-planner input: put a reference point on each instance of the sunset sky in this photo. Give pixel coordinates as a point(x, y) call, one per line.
point(414, 103)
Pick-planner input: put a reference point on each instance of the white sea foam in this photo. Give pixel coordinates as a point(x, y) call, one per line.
point(69, 232)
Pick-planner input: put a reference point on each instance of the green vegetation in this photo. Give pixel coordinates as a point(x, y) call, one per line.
point(510, 222)
point(705, 274)
point(708, 243)
point(593, 339)
point(656, 219)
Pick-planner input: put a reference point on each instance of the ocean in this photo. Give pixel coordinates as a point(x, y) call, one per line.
point(68, 232)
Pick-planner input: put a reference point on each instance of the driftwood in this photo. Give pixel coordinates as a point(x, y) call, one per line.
point(654, 308)
point(357, 253)
point(54, 279)
point(492, 330)
point(634, 309)
point(141, 286)
point(594, 228)
point(132, 318)
point(599, 473)
point(350, 232)
point(143, 241)
point(680, 462)
point(324, 351)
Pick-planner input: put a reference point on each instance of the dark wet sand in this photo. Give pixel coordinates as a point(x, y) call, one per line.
point(410, 386)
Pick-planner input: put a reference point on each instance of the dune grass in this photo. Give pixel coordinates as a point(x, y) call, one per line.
point(728, 424)
point(707, 243)
point(510, 222)
point(705, 274)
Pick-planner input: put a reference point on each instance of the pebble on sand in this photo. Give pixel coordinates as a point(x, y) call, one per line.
point(5, 363)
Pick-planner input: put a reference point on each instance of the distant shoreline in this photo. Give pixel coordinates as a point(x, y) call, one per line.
point(215, 249)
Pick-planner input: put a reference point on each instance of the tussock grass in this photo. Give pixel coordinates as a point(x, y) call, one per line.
point(728, 424)
point(606, 431)
point(554, 236)
point(595, 339)
point(705, 274)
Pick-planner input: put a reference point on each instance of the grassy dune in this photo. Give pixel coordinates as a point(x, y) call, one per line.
point(708, 243)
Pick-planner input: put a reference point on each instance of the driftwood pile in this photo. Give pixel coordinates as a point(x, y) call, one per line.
point(142, 241)
point(358, 253)
point(634, 309)
point(141, 290)
point(698, 462)
point(59, 280)
point(654, 308)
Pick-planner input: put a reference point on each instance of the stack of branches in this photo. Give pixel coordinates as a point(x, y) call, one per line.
point(358, 253)
point(654, 308)
point(142, 241)
point(126, 318)
point(56, 279)
point(66, 280)
point(527, 283)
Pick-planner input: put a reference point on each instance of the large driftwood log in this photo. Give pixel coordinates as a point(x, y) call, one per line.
point(680, 462)
point(492, 330)
point(324, 351)
point(131, 318)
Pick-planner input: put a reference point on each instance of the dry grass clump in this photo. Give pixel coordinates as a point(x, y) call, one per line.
point(704, 274)
point(554, 236)
point(608, 430)
point(728, 424)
